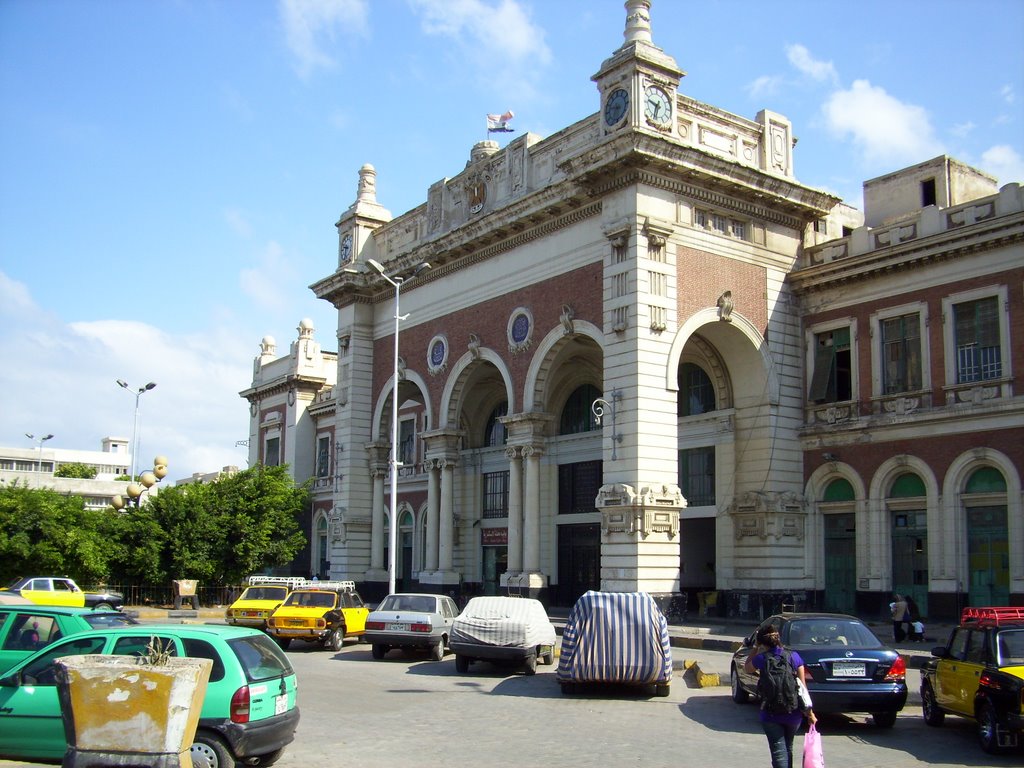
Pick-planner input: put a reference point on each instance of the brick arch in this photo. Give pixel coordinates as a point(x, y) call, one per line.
point(545, 382)
point(412, 381)
point(456, 394)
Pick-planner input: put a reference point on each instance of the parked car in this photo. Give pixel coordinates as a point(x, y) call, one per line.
point(615, 637)
point(979, 674)
point(848, 668)
point(249, 711)
point(25, 629)
point(260, 599)
point(508, 631)
point(324, 612)
point(60, 590)
point(411, 621)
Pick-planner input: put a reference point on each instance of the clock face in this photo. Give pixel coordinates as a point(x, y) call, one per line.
point(346, 247)
point(615, 107)
point(657, 107)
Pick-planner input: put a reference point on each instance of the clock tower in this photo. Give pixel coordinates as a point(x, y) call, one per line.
point(638, 83)
point(362, 217)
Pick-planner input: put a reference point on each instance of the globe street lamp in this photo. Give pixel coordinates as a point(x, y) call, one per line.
point(146, 481)
point(40, 440)
point(395, 281)
point(135, 429)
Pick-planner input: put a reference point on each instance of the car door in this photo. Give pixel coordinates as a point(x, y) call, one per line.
point(968, 672)
point(24, 632)
point(947, 670)
point(31, 726)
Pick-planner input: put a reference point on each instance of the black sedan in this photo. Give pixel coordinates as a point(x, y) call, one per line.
point(848, 668)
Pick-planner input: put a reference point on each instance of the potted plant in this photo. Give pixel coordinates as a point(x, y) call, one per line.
point(120, 709)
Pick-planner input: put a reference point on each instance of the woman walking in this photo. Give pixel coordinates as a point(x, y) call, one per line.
point(899, 611)
point(779, 726)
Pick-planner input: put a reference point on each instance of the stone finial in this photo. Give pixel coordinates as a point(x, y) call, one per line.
point(725, 307)
point(367, 184)
point(305, 328)
point(638, 21)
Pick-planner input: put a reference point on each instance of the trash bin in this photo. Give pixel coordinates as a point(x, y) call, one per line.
point(186, 589)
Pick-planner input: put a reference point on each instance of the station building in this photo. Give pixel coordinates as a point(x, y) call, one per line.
point(646, 357)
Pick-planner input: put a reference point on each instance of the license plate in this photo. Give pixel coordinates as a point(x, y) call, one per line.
point(296, 623)
point(280, 704)
point(848, 669)
point(250, 614)
point(392, 627)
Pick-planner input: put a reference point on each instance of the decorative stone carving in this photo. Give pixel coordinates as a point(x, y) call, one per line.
point(474, 346)
point(567, 316)
point(764, 514)
point(725, 306)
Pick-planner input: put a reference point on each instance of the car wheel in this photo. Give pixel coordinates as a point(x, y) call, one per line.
point(548, 657)
point(739, 695)
point(335, 640)
point(437, 651)
point(884, 719)
point(988, 729)
point(378, 650)
point(932, 714)
point(103, 607)
point(461, 663)
point(208, 751)
point(661, 689)
point(530, 664)
point(283, 642)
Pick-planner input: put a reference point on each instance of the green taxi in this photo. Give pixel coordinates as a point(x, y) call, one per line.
point(249, 712)
point(25, 629)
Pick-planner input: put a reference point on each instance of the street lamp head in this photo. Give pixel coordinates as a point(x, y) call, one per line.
point(122, 383)
point(376, 265)
point(148, 387)
point(48, 437)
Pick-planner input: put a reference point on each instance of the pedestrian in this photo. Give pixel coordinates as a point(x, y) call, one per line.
point(898, 609)
point(916, 632)
point(780, 724)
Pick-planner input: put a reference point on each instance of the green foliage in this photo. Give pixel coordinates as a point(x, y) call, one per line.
point(74, 469)
point(218, 532)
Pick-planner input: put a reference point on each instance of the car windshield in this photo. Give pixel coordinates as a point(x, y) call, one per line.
point(830, 632)
point(101, 619)
point(265, 593)
point(311, 599)
point(415, 603)
point(1011, 647)
point(260, 657)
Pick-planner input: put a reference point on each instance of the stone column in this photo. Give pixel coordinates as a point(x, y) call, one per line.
point(515, 510)
point(531, 510)
point(377, 523)
point(446, 526)
point(433, 514)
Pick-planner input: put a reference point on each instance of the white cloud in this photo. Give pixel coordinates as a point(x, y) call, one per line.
point(766, 85)
point(962, 129)
point(238, 222)
point(269, 282)
point(801, 58)
point(14, 297)
point(500, 38)
point(309, 24)
point(65, 384)
point(1003, 162)
point(887, 131)
point(1007, 94)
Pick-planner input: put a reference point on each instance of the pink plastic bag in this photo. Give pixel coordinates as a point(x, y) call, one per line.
point(814, 757)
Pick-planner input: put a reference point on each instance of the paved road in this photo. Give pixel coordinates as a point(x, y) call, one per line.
point(412, 712)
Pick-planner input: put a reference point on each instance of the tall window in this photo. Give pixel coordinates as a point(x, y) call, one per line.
point(833, 374)
point(323, 457)
point(495, 500)
point(272, 452)
point(577, 415)
point(407, 442)
point(978, 353)
point(901, 354)
point(697, 476)
point(696, 393)
point(578, 485)
point(495, 434)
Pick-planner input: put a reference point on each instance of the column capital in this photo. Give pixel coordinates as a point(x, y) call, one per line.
point(532, 451)
point(513, 452)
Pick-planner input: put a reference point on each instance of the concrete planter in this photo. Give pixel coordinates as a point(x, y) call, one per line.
point(121, 711)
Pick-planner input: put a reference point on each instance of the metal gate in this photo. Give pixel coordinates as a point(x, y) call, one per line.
point(840, 563)
point(988, 556)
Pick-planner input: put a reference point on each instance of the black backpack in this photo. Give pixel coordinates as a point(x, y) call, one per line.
point(776, 685)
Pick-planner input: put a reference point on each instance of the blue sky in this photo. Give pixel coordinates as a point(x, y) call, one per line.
point(171, 170)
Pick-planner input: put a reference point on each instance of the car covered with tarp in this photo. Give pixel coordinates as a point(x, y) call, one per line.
point(615, 637)
point(507, 631)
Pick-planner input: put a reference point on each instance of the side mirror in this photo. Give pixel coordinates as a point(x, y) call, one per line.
point(939, 651)
point(748, 642)
point(9, 681)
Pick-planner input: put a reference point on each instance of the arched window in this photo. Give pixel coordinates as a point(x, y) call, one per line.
point(986, 480)
point(696, 392)
point(907, 485)
point(577, 415)
point(839, 490)
point(495, 434)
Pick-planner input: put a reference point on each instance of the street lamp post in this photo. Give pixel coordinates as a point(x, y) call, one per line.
point(40, 440)
point(146, 481)
point(395, 281)
point(135, 428)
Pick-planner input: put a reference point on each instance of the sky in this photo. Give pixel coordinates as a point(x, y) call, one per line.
point(171, 170)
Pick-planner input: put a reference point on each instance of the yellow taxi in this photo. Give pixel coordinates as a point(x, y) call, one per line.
point(260, 599)
point(60, 590)
point(324, 612)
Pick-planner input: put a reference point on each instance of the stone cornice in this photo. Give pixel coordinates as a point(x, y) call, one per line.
point(943, 246)
point(284, 385)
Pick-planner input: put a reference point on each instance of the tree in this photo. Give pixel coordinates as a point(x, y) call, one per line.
point(77, 470)
point(43, 532)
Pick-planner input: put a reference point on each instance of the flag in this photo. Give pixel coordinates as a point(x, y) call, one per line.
point(499, 123)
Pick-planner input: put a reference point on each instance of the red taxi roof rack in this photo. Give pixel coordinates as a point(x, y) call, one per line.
point(993, 616)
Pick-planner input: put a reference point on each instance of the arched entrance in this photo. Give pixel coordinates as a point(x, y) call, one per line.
point(840, 545)
point(907, 503)
point(988, 553)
